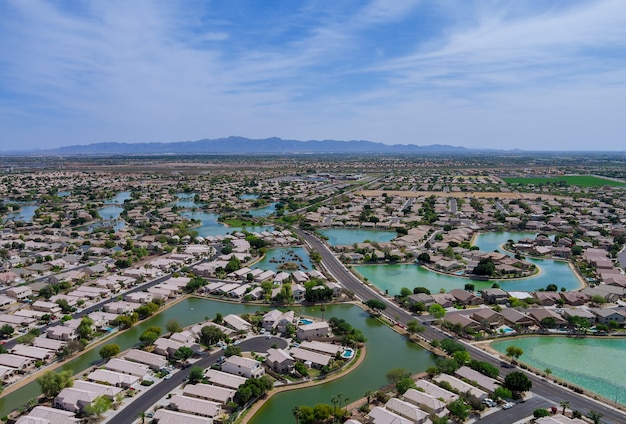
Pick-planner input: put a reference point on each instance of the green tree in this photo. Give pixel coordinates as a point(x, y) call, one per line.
point(462, 357)
point(232, 351)
point(414, 327)
point(459, 409)
point(108, 351)
point(218, 318)
point(397, 374)
point(7, 330)
point(99, 406)
point(196, 374)
point(502, 393)
point(564, 404)
point(209, 335)
point(437, 311)
point(376, 304)
point(149, 336)
point(183, 353)
point(594, 416)
point(514, 352)
point(52, 382)
point(404, 385)
point(517, 381)
point(85, 328)
point(173, 326)
point(541, 412)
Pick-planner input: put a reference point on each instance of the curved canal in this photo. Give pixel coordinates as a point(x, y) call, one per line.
point(386, 350)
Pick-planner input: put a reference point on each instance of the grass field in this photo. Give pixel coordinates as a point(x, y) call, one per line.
point(577, 180)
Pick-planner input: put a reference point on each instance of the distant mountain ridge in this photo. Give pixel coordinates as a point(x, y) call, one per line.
point(242, 145)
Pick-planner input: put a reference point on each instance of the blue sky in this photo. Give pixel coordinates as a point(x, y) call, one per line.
point(535, 75)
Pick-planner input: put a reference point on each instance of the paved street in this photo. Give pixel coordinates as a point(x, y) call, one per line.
point(144, 401)
point(541, 387)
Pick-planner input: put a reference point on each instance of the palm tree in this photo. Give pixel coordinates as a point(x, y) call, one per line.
point(564, 404)
point(595, 416)
point(297, 413)
point(368, 395)
point(142, 415)
point(548, 371)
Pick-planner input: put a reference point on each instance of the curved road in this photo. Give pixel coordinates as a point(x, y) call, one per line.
point(541, 387)
point(144, 401)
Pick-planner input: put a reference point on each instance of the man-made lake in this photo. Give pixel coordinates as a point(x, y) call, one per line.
point(385, 350)
point(339, 236)
point(25, 214)
point(186, 200)
point(596, 364)
point(211, 227)
point(264, 211)
point(275, 257)
point(118, 199)
point(109, 213)
point(394, 277)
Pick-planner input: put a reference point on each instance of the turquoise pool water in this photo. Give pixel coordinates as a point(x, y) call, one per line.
point(597, 364)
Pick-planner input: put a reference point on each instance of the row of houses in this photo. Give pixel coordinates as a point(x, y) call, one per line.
point(486, 318)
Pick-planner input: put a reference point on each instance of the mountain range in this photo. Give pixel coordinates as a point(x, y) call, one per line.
point(242, 145)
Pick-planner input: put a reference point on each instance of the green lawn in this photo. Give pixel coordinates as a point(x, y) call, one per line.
point(577, 180)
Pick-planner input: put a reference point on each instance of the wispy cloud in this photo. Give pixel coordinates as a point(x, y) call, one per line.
point(395, 72)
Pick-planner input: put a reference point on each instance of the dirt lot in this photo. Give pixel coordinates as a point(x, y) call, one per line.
point(458, 194)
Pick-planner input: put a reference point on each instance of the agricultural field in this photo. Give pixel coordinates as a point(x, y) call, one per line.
point(564, 180)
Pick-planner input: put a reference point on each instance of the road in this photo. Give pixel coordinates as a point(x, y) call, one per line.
point(541, 387)
point(144, 401)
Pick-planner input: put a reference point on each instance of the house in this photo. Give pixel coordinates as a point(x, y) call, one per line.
point(127, 367)
point(482, 381)
point(425, 402)
point(574, 298)
point(36, 353)
point(20, 292)
point(465, 298)
point(321, 347)
point(20, 363)
point(62, 332)
point(407, 410)
point(541, 314)
point(47, 415)
point(313, 330)
point(461, 386)
point(444, 299)
point(165, 416)
point(209, 392)
point(74, 400)
point(154, 361)
point(112, 378)
point(380, 415)
point(195, 406)
point(247, 367)
point(573, 313)
point(50, 344)
point(495, 296)
point(514, 317)
point(310, 358)
point(607, 316)
point(546, 298)
point(463, 320)
point(237, 323)
point(487, 317)
point(166, 347)
point(224, 379)
point(279, 360)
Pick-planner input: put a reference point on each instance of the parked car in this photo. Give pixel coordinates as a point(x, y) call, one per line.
point(507, 405)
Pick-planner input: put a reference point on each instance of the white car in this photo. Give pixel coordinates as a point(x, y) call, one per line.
point(507, 405)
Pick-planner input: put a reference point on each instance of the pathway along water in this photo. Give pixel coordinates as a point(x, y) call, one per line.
point(386, 350)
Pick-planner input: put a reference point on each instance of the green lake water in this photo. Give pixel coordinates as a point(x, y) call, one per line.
point(339, 236)
point(393, 277)
point(598, 365)
point(282, 255)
